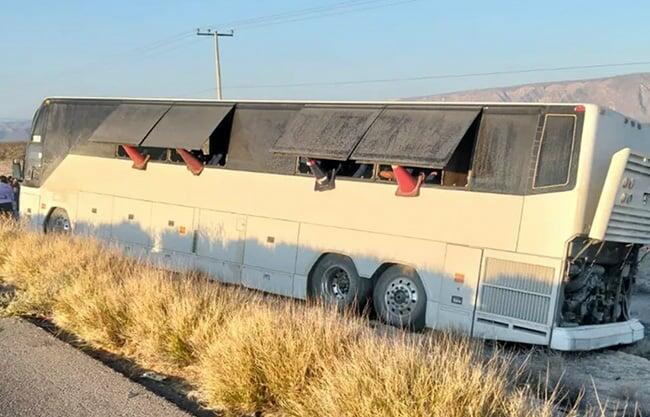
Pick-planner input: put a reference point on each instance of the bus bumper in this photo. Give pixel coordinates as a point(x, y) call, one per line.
point(596, 336)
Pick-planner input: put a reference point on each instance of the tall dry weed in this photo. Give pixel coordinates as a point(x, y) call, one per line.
point(40, 266)
point(245, 353)
point(442, 376)
point(270, 354)
point(173, 318)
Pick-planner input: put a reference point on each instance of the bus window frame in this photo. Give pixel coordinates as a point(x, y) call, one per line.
point(571, 153)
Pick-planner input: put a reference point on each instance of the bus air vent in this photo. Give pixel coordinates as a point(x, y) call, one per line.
point(517, 290)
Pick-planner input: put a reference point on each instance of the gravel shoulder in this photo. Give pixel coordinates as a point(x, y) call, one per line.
point(43, 376)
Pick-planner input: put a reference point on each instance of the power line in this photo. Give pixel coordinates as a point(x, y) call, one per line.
point(346, 9)
point(429, 77)
point(295, 13)
point(443, 76)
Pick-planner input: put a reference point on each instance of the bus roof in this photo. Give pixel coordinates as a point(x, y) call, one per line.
point(342, 102)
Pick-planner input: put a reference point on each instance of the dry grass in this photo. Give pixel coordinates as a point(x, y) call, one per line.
point(12, 150)
point(245, 353)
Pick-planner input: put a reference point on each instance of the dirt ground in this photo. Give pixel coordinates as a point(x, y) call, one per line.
point(617, 379)
point(8, 152)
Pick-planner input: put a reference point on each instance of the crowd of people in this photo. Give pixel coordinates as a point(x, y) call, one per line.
point(9, 188)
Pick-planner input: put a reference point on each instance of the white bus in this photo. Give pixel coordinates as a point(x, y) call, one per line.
point(515, 222)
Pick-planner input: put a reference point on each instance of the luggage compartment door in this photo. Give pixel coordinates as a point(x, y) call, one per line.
point(271, 246)
point(221, 235)
point(94, 214)
point(131, 221)
point(29, 206)
point(172, 228)
point(459, 286)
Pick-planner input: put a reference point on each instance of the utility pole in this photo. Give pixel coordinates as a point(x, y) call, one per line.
point(217, 66)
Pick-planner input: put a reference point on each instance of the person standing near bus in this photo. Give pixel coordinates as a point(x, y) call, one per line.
point(6, 196)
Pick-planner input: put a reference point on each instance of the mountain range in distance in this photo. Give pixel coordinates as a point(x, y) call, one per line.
point(627, 94)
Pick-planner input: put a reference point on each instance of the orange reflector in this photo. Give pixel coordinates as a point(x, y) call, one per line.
point(459, 278)
point(181, 230)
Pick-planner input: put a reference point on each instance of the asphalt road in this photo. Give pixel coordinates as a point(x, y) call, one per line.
point(43, 376)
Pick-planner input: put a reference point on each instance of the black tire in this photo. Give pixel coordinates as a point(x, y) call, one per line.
point(335, 280)
point(58, 222)
point(400, 299)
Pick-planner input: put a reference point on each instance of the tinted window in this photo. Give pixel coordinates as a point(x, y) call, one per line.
point(33, 162)
point(39, 124)
point(555, 151)
point(503, 151)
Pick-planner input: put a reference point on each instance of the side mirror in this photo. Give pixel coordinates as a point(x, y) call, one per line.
point(17, 169)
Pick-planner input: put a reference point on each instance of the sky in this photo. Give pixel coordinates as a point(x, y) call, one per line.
point(148, 48)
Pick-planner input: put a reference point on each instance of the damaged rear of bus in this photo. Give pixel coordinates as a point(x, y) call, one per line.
point(613, 185)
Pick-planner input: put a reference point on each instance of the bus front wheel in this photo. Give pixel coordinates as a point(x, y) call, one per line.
point(399, 298)
point(335, 280)
point(58, 222)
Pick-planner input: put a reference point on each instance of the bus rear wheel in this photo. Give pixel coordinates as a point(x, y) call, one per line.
point(58, 222)
point(335, 281)
point(399, 298)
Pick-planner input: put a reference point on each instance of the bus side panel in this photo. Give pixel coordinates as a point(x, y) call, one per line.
point(172, 228)
point(548, 221)
point(459, 288)
point(270, 254)
point(30, 203)
point(172, 236)
point(219, 244)
point(94, 214)
point(131, 221)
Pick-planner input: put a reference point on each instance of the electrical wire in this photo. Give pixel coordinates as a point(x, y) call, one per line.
point(349, 9)
point(440, 76)
point(296, 13)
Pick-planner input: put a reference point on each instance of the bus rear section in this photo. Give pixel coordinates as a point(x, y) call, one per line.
point(602, 263)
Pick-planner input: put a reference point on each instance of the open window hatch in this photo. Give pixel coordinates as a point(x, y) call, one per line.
point(196, 134)
point(411, 144)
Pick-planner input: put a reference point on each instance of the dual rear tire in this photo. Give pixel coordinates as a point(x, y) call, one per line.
point(398, 295)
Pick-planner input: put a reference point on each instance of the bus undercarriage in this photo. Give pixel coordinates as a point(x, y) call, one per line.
point(598, 281)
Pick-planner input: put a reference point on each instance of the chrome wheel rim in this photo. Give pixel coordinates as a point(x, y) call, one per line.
point(401, 297)
point(61, 225)
point(337, 282)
